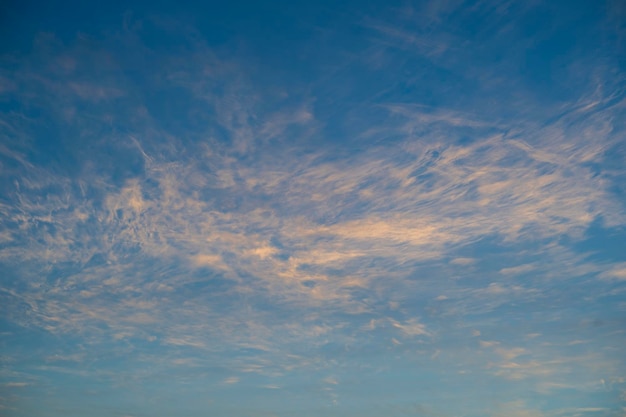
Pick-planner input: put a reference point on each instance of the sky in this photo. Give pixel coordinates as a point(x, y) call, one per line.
point(327, 208)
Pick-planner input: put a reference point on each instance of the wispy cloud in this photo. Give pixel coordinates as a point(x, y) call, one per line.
point(401, 207)
point(16, 384)
point(241, 224)
point(616, 272)
point(231, 380)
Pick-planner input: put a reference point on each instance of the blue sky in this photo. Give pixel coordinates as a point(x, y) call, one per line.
point(339, 208)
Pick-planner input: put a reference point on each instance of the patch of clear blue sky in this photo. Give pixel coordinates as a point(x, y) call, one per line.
point(338, 208)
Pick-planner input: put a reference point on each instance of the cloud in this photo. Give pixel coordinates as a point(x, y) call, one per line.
point(520, 269)
point(236, 239)
point(231, 380)
point(617, 272)
point(411, 328)
point(463, 261)
point(16, 384)
point(397, 208)
point(331, 380)
point(184, 342)
point(517, 409)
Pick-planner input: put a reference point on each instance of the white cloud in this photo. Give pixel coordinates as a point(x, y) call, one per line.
point(411, 328)
point(331, 380)
point(16, 384)
point(517, 269)
point(463, 261)
point(231, 380)
point(617, 272)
